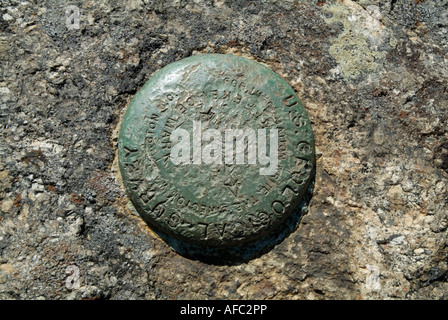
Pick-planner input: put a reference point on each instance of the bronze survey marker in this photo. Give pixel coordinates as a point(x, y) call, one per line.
point(216, 150)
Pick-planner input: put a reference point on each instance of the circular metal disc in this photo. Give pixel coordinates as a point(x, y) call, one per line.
point(216, 150)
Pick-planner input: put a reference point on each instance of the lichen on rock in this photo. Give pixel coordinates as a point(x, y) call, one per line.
point(360, 47)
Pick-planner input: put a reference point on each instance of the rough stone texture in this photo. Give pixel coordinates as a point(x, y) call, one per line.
point(372, 75)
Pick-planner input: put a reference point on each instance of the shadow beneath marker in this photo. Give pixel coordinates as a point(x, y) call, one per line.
point(240, 254)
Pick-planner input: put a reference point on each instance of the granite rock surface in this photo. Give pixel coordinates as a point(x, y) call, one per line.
point(371, 74)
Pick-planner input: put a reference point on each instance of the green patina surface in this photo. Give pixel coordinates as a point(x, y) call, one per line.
point(217, 204)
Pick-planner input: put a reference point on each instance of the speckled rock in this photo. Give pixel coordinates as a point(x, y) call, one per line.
point(372, 76)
